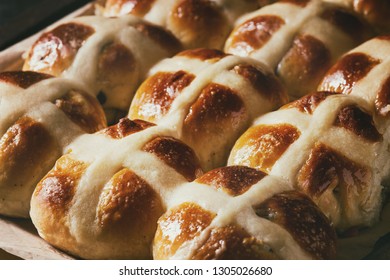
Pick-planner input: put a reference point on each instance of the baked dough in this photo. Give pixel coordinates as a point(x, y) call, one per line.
point(110, 56)
point(103, 198)
point(196, 23)
point(40, 116)
point(209, 98)
point(300, 40)
point(237, 212)
point(328, 146)
point(376, 12)
point(365, 72)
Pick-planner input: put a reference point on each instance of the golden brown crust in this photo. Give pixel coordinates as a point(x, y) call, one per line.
point(348, 22)
point(232, 243)
point(56, 190)
point(307, 55)
point(128, 209)
point(122, 7)
point(83, 109)
point(255, 32)
point(261, 146)
point(116, 68)
point(217, 113)
point(203, 54)
point(27, 151)
point(375, 12)
point(191, 220)
point(234, 180)
point(301, 3)
point(347, 72)
point(55, 50)
point(265, 84)
point(217, 104)
point(308, 103)
point(157, 94)
point(358, 122)
point(198, 22)
point(23, 79)
point(303, 220)
point(52, 200)
point(175, 154)
point(160, 36)
point(126, 127)
point(327, 169)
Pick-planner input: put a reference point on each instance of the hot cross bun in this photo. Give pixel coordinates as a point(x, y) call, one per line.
point(328, 146)
point(103, 198)
point(298, 39)
point(40, 116)
point(237, 212)
point(209, 97)
point(110, 56)
point(196, 23)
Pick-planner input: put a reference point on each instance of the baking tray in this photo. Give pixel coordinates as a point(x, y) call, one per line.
point(20, 238)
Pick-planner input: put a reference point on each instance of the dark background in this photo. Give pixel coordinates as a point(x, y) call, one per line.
point(22, 18)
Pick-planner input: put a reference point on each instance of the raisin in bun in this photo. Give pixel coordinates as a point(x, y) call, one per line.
point(326, 145)
point(102, 200)
point(300, 40)
point(40, 116)
point(237, 212)
point(209, 97)
point(110, 56)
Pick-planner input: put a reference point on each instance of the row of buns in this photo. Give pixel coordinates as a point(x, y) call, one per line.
point(261, 133)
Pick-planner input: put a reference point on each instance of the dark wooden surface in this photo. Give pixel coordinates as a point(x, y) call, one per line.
point(22, 18)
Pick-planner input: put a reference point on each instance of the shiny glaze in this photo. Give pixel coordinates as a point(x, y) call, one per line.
point(347, 72)
point(198, 22)
point(58, 187)
point(261, 146)
point(27, 151)
point(232, 243)
point(175, 154)
point(376, 12)
point(155, 96)
point(265, 83)
point(308, 103)
point(216, 104)
point(234, 180)
point(23, 79)
point(189, 220)
point(123, 7)
point(204, 54)
point(126, 127)
point(326, 168)
point(303, 220)
point(256, 32)
point(359, 122)
point(55, 50)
